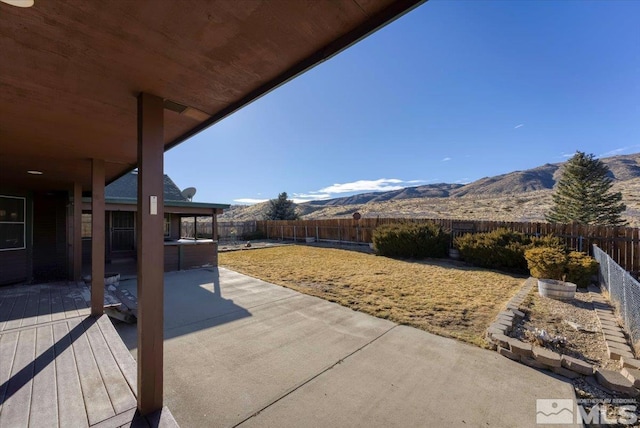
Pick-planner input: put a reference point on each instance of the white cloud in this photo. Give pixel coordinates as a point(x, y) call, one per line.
point(518, 126)
point(299, 198)
point(618, 151)
point(359, 186)
point(379, 185)
point(463, 181)
point(249, 201)
point(447, 159)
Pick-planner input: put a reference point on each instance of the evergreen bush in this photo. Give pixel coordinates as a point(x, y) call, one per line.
point(580, 268)
point(553, 263)
point(499, 249)
point(411, 240)
point(546, 262)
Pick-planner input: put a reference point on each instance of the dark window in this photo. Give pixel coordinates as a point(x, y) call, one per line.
point(12, 223)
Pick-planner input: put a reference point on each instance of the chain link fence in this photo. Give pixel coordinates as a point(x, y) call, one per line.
point(623, 290)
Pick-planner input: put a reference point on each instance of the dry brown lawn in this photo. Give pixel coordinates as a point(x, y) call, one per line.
point(436, 296)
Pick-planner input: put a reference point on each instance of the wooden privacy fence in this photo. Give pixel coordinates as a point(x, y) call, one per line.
point(622, 244)
point(234, 230)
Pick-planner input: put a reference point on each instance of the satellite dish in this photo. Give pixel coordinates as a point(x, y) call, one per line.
point(189, 192)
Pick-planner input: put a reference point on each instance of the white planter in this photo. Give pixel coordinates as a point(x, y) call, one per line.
point(554, 289)
point(310, 239)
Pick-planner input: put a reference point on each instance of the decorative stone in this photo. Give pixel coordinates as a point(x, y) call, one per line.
point(618, 350)
point(506, 353)
point(532, 362)
point(520, 348)
point(549, 358)
point(505, 325)
point(633, 375)
point(504, 319)
point(615, 332)
point(518, 313)
point(501, 340)
point(630, 362)
point(494, 330)
point(615, 382)
point(615, 339)
point(577, 365)
point(570, 374)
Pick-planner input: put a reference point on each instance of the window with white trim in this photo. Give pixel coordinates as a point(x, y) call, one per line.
point(12, 223)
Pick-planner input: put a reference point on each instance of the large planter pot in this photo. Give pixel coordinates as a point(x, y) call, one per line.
point(454, 254)
point(554, 289)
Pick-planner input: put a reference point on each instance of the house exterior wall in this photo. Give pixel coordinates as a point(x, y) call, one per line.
point(191, 255)
point(14, 263)
point(50, 246)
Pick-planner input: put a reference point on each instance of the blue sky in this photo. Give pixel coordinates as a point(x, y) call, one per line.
point(452, 92)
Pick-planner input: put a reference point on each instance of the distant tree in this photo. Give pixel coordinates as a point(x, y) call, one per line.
point(281, 209)
point(583, 194)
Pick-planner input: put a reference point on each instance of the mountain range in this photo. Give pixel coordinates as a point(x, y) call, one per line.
point(515, 196)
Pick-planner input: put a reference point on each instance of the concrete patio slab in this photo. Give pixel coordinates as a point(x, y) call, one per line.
point(243, 351)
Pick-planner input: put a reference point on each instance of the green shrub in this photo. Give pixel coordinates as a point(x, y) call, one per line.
point(411, 240)
point(553, 263)
point(547, 241)
point(580, 268)
point(546, 262)
point(499, 249)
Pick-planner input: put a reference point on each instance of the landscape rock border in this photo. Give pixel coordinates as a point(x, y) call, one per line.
point(626, 382)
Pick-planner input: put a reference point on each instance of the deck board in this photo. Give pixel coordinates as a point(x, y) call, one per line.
point(120, 353)
point(68, 304)
point(8, 345)
point(57, 308)
point(44, 305)
point(70, 401)
point(60, 367)
point(15, 410)
point(122, 398)
point(14, 318)
point(30, 315)
point(6, 306)
point(95, 394)
point(44, 401)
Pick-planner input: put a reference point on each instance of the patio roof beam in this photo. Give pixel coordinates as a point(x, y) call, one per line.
point(150, 238)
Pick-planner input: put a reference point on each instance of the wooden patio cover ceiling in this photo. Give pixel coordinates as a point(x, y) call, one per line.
point(70, 71)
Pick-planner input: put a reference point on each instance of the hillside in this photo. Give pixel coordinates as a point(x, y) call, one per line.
point(516, 196)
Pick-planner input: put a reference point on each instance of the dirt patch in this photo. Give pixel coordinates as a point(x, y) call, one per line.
point(576, 321)
point(560, 318)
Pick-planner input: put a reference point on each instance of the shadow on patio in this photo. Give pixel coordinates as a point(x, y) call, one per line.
point(193, 301)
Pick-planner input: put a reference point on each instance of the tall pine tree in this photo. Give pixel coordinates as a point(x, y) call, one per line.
point(583, 194)
point(281, 209)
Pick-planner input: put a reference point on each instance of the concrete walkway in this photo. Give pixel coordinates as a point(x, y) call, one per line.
point(240, 351)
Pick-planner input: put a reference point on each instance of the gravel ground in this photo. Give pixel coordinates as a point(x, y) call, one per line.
point(555, 316)
point(586, 344)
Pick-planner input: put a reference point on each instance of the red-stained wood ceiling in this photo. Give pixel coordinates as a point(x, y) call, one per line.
point(70, 71)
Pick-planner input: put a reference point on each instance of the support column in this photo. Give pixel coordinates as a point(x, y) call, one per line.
point(77, 232)
point(97, 237)
point(150, 238)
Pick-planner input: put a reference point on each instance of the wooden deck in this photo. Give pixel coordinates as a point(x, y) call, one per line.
point(59, 367)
